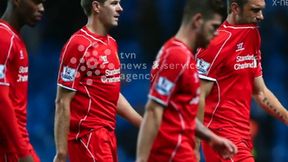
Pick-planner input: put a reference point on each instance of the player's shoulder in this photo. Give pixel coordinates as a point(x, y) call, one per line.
point(176, 51)
point(6, 35)
point(77, 41)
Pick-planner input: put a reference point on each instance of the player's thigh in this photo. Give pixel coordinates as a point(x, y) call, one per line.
point(99, 145)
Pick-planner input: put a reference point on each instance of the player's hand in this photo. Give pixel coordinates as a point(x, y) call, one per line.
point(59, 158)
point(223, 146)
point(26, 159)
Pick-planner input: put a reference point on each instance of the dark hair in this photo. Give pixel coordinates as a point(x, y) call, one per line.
point(206, 7)
point(87, 5)
point(241, 4)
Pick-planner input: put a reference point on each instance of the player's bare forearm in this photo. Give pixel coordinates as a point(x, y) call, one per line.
point(206, 87)
point(125, 110)
point(148, 130)
point(267, 100)
point(203, 132)
point(62, 120)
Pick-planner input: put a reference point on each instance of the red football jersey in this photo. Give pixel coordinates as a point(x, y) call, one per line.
point(14, 73)
point(91, 67)
point(232, 61)
point(175, 85)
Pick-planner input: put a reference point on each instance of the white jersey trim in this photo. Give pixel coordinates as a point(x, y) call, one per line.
point(218, 53)
point(240, 27)
point(161, 102)
point(91, 36)
point(88, 111)
point(4, 84)
point(72, 89)
point(217, 105)
point(87, 147)
point(180, 134)
point(207, 78)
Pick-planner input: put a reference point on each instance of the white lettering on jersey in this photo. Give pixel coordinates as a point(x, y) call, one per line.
point(164, 86)
point(68, 74)
point(23, 69)
point(202, 66)
point(2, 73)
point(240, 47)
point(22, 78)
point(243, 64)
point(112, 72)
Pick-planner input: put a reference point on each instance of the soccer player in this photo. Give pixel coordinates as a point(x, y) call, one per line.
point(14, 138)
point(88, 97)
point(169, 125)
point(231, 72)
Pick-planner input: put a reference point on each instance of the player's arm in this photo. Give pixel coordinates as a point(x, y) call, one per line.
point(9, 126)
point(268, 101)
point(148, 130)
point(206, 87)
point(125, 110)
point(221, 145)
point(62, 121)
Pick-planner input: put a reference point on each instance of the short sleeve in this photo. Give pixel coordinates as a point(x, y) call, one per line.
point(258, 71)
point(6, 52)
point(71, 58)
point(166, 74)
point(209, 60)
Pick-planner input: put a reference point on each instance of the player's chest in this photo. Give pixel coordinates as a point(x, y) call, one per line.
point(18, 64)
point(241, 59)
point(100, 61)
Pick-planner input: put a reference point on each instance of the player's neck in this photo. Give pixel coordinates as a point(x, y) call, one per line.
point(186, 36)
point(95, 26)
point(231, 19)
point(12, 19)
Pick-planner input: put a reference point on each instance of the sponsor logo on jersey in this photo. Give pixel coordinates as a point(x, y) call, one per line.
point(2, 73)
point(68, 74)
point(240, 47)
point(164, 86)
point(202, 66)
point(104, 59)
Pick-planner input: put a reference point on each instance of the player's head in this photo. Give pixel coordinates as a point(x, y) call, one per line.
point(107, 11)
point(246, 11)
point(25, 11)
point(204, 17)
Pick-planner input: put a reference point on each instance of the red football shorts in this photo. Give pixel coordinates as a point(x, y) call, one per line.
point(97, 146)
point(244, 152)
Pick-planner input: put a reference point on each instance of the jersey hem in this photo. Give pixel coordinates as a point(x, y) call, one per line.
point(159, 101)
point(72, 89)
point(5, 84)
point(207, 78)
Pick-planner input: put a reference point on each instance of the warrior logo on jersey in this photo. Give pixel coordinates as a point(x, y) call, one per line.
point(164, 86)
point(240, 47)
point(68, 74)
point(202, 66)
point(2, 73)
point(104, 59)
